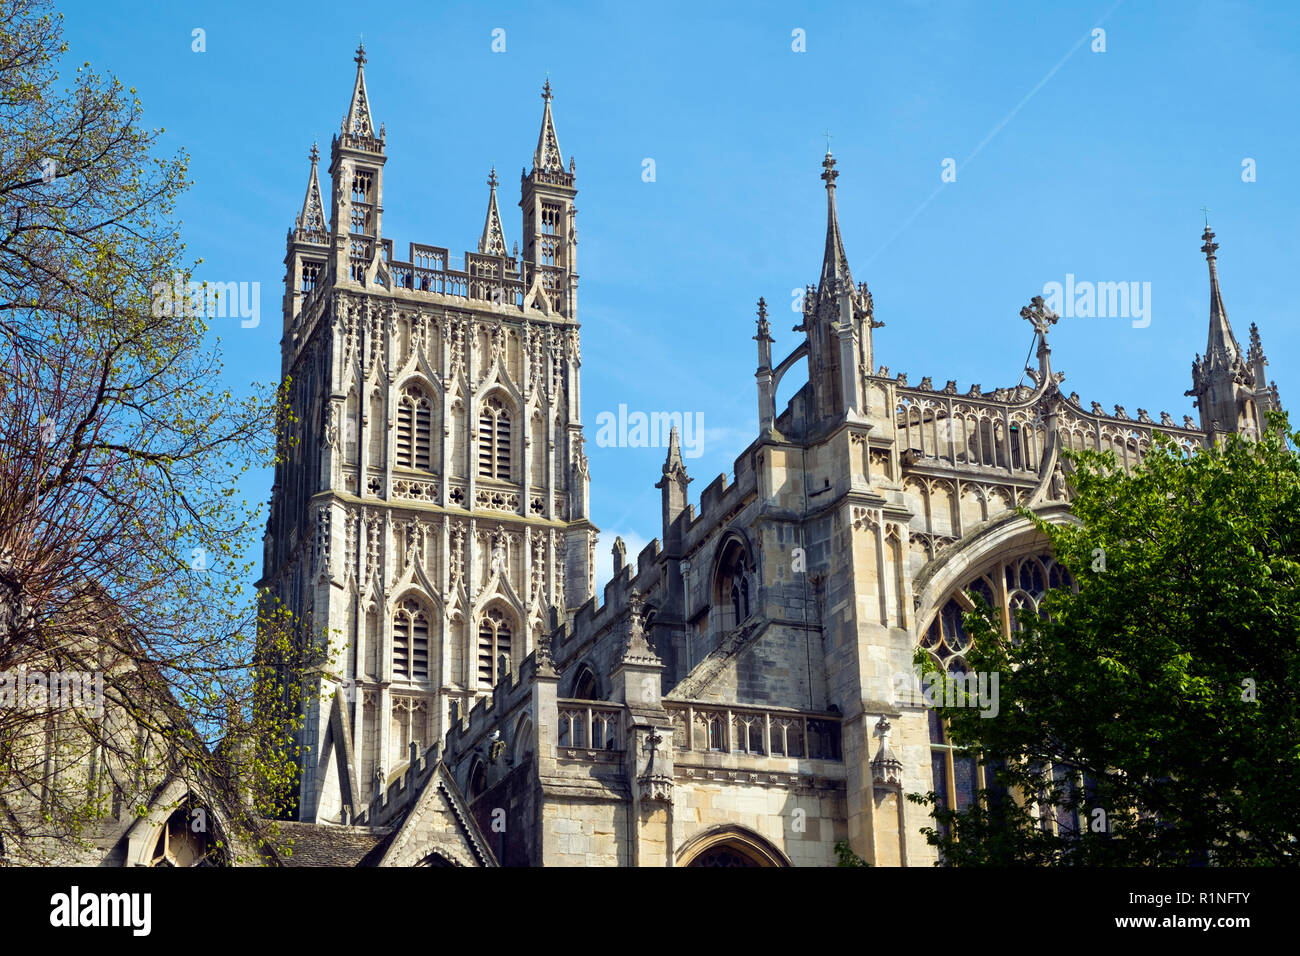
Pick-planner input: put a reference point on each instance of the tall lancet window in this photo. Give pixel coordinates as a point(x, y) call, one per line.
point(411, 641)
point(732, 594)
point(414, 429)
point(493, 648)
point(494, 440)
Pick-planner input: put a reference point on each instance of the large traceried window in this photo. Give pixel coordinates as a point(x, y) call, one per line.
point(411, 641)
point(494, 440)
point(414, 429)
point(1020, 583)
point(493, 648)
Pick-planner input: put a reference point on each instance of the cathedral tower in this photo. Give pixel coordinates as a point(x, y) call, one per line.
point(431, 509)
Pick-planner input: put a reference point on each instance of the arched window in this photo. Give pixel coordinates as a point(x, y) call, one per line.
point(1020, 583)
point(494, 440)
point(731, 846)
point(494, 648)
point(725, 855)
point(477, 780)
point(523, 747)
point(731, 589)
point(414, 429)
point(411, 641)
point(189, 838)
point(585, 685)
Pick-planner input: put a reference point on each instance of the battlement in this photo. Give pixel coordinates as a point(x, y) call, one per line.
point(399, 794)
point(720, 500)
point(508, 694)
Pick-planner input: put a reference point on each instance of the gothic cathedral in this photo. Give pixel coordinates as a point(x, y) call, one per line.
point(743, 692)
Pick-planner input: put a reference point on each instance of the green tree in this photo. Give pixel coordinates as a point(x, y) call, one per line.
point(122, 537)
point(1157, 703)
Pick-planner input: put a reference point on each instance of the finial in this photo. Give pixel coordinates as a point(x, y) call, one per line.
point(764, 327)
point(360, 58)
point(492, 178)
point(830, 174)
point(546, 89)
point(1210, 245)
point(1205, 211)
point(314, 155)
point(1039, 315)
point(828, 142)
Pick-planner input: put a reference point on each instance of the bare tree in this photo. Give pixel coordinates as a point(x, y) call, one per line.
point(123, 540)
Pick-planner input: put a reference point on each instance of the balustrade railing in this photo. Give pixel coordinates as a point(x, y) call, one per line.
point(589, 725)
point(709, 728)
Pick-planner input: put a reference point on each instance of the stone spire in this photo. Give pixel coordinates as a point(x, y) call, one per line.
point(359, 122)
point(1222, 382)
point(835, 264)
point(493, 242)
point(547, 158)
point(838, 317)
point(673, 483)
point(1221, 351)
point(311, 225)
point(763, 375)
point(637, 650)
point(673, 463)
point(1266, 397)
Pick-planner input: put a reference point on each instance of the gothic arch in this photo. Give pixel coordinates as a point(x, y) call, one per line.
point(1005, 537)
point(503, 594)
point(496, 635)
point(421, 378)
point(413, 636)
point(438, 859)
point(167, 836)
point(585, 685)
point(746, 846)
point(498, 427)
point(522, 741)
point(476, 780)
point(732, 590)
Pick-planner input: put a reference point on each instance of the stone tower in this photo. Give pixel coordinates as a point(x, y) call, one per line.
point(432, 510)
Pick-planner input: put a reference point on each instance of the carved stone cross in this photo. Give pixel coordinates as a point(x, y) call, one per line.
point(1037, 314)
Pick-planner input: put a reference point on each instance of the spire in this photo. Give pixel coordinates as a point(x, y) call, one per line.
point(359, 122)
point(637, 650)
point(547, 158)
point(311, 226)
point(493, 242)
point(1222, 350)
point(673, 485)
point(1222, 381)
point(835, 265)
point(673, 465)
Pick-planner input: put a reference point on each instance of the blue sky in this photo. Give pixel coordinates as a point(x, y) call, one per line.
point(1068, 161)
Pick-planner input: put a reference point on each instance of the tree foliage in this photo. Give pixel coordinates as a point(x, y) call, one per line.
point(123, 541)
point(1152, 714)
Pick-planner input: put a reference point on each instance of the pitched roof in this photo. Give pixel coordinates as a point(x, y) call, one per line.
point(324, 844)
